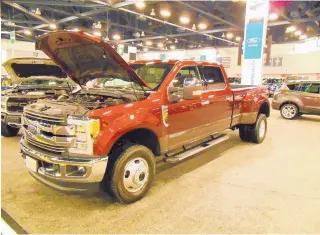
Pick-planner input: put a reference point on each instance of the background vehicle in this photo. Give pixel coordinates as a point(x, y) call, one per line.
point(35, 79)
point(274, 84)
point(112, 131)
point(234, 80)
point(298, 97)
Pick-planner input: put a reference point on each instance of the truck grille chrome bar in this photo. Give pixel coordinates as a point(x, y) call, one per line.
point(45, 118)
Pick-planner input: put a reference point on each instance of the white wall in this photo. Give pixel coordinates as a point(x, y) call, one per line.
point(297, 58)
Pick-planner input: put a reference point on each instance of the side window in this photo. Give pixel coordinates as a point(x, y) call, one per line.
point(185, 72)
point(313, 88)
point(213, 77)
point(301, 87)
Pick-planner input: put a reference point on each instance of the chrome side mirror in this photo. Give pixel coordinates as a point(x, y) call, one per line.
point(191, 88)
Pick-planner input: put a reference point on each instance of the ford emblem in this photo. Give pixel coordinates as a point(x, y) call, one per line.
point(33, 129)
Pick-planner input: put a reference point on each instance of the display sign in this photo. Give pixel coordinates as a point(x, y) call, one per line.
point(162, 56)
point(253, 42)
point(203, 57)
point(12, 37)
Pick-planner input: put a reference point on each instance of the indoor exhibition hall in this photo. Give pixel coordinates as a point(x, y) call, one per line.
point(160, 117)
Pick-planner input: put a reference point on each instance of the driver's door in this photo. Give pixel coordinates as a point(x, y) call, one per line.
point(184, 116)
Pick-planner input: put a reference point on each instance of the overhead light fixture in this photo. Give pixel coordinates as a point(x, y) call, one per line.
point(223, 35)
point(145, 49)
point(298, 33)
point(140, 5)
point(27, 32)
point(202, 26)
point(194, 27)
point(184, 19)
point(97, 25)
point(106, 38)
point(116, 37)
point(97, 33)
point(153, 13)
point(291, 28)
point(160, 45)
point(38, 12)
point(52, 26)
point(229, 35)
point(172, 47)
point(176, 41)
point(142, 34)
point(137, 35)
point(273, 16)
point(165, 13)
point(303, 37)
point(238, 39)
point(148, 43)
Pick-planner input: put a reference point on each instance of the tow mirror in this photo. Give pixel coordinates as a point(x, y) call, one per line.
point(191, 88)
point(173, 96)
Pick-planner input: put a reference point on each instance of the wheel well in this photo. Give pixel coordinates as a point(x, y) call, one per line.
point(265, 109)
point(140, 136)
point(289, 102)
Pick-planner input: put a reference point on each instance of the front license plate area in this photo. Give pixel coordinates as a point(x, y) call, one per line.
point(32, 164)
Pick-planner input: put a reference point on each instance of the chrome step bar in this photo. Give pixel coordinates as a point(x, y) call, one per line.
point(192, 151)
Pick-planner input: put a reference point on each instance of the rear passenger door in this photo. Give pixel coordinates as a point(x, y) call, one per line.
point(311, 98)
point(216, 99)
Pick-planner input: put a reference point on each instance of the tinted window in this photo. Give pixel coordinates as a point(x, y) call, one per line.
point(301, 87)
point(153, 74)
point(313, 88)
point(213, 77)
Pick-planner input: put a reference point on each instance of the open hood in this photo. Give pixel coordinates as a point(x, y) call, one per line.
point(84, 57)
point(19, 68)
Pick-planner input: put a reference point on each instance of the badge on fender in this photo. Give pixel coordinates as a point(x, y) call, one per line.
point(165, 115)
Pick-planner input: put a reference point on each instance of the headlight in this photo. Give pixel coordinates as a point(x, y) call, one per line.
point(86, 130)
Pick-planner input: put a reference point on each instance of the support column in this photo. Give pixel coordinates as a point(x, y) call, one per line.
point(257, 12)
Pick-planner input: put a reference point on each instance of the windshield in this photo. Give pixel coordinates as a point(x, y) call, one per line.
point(44, 82)
point(153, 74)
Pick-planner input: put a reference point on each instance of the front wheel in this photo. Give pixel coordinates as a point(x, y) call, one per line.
point(289, 111)
point(8, 131)
point(132, 174)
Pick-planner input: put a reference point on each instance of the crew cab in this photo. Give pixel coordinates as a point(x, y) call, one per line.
point(34, 79)
point(298, 97)
point(127, 116)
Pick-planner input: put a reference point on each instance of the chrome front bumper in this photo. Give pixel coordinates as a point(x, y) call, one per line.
point(60, 177)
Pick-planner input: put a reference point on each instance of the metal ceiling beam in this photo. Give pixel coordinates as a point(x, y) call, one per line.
point(177, 35)
point(21, 8)
point(22, 21)
point(58, 3)
point(209, 15)
point(123, 4)
point(285, 22)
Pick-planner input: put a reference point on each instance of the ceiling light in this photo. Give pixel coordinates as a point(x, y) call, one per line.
point(202, 26)
point(303, 37)
point(116, 37)
point(140, 5)
point(27, 32)
point(153, 13)
point(148, 43)
point(223, 36)
point(238, 39)
point(145, 49)
point(291, 29)
point(273, 16)
point(106, 38)
point(194, 27)
point(142, 34)
point(184, 20)
point(38, 12)
point(52, 26)
point(165, 13)
point(176, 41)
point(97, 25)
point(229, 35)
point(172, 47)
point(97, 33)
point(298, 32)
point(160, 45)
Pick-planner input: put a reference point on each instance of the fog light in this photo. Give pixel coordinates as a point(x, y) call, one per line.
point(82, 169)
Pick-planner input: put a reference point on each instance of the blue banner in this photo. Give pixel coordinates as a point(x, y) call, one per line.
point(253, 42)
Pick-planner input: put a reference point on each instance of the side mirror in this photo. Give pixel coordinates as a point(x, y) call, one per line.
point(191, 88)
point(173, 96)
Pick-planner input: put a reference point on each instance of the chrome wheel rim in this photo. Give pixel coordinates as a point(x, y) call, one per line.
point(289, 111)
point(136, 174)
point(262, 129)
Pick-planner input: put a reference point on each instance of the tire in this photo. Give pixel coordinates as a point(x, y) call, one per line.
point(254, 132)
point(260, 129)
point(132, 174)
point(289, 111)
point(8, 131)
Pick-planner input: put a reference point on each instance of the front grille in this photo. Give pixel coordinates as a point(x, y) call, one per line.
point(17, 104)
point(45, 119)
point(45, 146)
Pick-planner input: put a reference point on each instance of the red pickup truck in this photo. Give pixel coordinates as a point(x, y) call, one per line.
point(128, 115)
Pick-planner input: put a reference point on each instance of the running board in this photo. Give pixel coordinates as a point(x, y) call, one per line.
point(192, 151)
